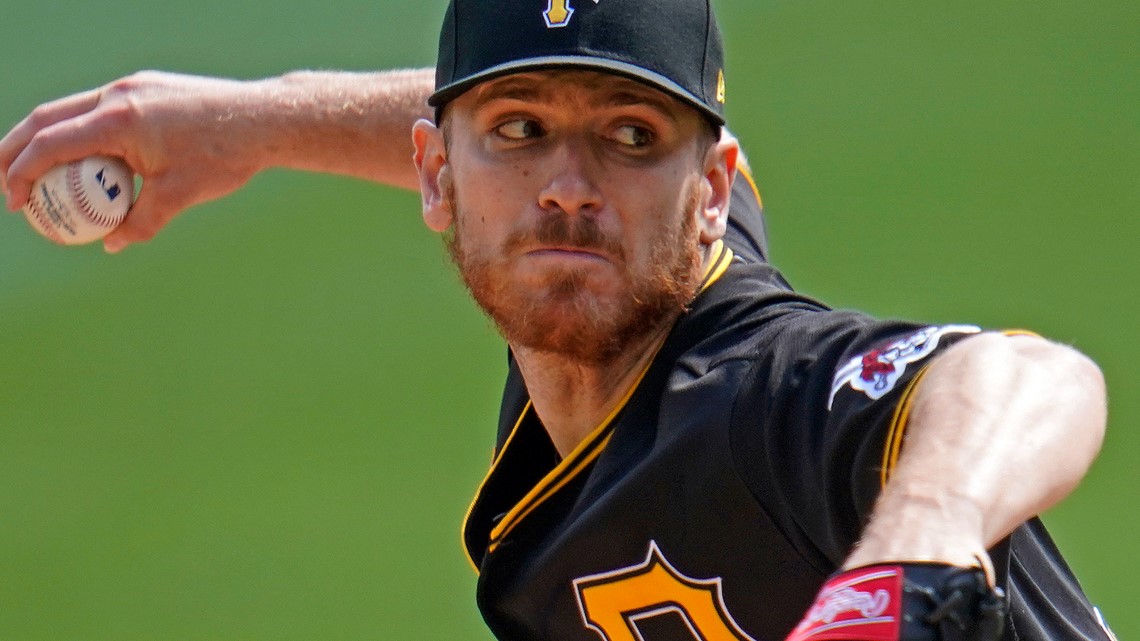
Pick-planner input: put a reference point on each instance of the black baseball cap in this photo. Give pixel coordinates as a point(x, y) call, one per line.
point(671, 45)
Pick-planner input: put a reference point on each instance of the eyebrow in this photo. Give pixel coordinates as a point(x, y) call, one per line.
point(513, 89)
point(648, 98)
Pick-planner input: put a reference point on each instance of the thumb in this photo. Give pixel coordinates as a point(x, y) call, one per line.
point(146, 217)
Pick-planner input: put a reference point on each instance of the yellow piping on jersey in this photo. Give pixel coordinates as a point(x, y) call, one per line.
point(897, 429)
point(1020, 332)
point(580, 458)
point(494, 463)
point(718, 265)
point(587, 451)
point(746, 172)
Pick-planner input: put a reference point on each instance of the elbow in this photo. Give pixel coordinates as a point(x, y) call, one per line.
point(1093, 388)
point(1096, 394)
point(1074, 389)
point(1015, 421)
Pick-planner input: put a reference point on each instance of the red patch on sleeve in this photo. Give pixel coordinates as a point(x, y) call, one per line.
point(860, 605)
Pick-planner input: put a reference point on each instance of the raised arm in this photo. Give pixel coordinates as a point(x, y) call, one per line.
point(1002, 428)
point(194, 139)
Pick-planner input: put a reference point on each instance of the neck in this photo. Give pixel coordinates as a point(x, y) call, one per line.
point(572, 398)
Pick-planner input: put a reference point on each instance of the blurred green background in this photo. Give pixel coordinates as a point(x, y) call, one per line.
point(267, 422)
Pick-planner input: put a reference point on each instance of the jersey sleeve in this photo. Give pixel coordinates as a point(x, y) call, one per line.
point(821, 423)
point(747, 231)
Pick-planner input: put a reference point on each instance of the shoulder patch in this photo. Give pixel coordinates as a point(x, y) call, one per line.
point(875, 372)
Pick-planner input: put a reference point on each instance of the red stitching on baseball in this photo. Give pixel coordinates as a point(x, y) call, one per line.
point(45, 224)
point(75, 181)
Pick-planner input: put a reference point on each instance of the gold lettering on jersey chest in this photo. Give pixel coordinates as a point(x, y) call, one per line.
point(619, 604)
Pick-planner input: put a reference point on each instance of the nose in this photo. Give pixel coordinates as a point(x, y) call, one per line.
point(571, 186)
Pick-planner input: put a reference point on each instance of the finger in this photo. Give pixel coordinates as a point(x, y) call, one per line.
point(147, 216)
point(42, 116)
point(84, 135)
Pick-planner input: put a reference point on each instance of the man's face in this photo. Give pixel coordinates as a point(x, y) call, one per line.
point(579, 203)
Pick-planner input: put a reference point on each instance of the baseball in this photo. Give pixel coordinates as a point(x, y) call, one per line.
point(82, 201)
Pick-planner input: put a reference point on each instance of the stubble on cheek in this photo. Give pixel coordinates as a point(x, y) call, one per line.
point(565, 315)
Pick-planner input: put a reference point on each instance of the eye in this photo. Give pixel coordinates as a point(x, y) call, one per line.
point(633, 136)
point(520, 129)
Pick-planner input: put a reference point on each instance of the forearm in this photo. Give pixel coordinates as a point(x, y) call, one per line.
point(194, 139)
point(356, 124)
point(1001, 429)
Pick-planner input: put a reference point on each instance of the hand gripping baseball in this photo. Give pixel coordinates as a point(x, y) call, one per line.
point(194, 139)
point(186, 136)
point(905, 602)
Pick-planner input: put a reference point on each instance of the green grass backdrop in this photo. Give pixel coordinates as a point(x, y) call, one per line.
point(267, 422)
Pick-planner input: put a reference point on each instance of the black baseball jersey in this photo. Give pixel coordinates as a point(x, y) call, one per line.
point(729, 484)
point(747, 232)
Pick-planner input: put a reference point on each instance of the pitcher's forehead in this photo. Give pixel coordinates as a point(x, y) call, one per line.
point(595, 88)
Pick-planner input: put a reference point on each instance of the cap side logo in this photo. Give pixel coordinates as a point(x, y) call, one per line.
point(558, 13)
point(720, 88)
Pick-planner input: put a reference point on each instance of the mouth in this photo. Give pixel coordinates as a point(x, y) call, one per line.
point(567, 252)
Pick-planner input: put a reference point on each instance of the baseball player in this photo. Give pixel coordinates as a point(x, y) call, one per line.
point(689, 449)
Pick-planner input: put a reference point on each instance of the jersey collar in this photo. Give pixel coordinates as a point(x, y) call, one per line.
point(528, 442)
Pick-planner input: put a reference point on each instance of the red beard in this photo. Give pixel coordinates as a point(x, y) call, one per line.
point(565, 316)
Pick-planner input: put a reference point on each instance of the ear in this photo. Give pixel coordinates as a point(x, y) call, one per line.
point(719, 175)
point(434, 173)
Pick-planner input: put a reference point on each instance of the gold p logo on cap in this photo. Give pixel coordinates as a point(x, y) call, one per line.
point(558, 13)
